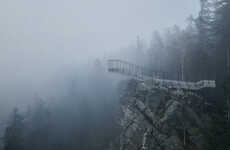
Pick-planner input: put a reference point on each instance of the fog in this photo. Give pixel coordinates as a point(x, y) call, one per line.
point(42, 40)
point(48, 51)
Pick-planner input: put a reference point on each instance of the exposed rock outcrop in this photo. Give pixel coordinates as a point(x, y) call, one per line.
point(159, 119)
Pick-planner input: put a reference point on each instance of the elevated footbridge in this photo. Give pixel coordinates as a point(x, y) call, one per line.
point(157, 78)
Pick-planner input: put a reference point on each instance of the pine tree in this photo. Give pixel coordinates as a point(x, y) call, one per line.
point(13, 138)
point(38, 126)
point(155, 52)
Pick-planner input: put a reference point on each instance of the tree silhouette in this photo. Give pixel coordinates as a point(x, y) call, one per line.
point(13, 138)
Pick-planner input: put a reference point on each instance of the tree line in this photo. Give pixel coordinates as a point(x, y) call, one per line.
point(83, 118)
point(199, 51)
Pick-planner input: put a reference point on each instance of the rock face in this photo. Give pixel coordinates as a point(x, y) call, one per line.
point(159, 119)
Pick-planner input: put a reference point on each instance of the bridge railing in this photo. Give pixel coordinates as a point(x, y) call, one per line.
point(158, 78)
point(124, 67)
point(184, 85)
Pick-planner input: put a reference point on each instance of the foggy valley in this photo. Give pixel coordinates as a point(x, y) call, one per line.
point(114, 75)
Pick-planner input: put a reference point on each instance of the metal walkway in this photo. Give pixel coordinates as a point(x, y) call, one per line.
point(139, 72)
point(157, 78)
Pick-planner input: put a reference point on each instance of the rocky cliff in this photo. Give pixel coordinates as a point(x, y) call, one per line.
point(159, 119)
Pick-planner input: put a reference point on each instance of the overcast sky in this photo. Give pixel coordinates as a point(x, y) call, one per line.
point(87, 24)
point(40, 36)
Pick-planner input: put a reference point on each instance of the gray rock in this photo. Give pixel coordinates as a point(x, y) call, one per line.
point(158, 119)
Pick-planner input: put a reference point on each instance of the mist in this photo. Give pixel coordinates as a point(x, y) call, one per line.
point(41, 40)
point(56, 52)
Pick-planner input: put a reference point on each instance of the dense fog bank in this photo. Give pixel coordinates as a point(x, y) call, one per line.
point(77, 108)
